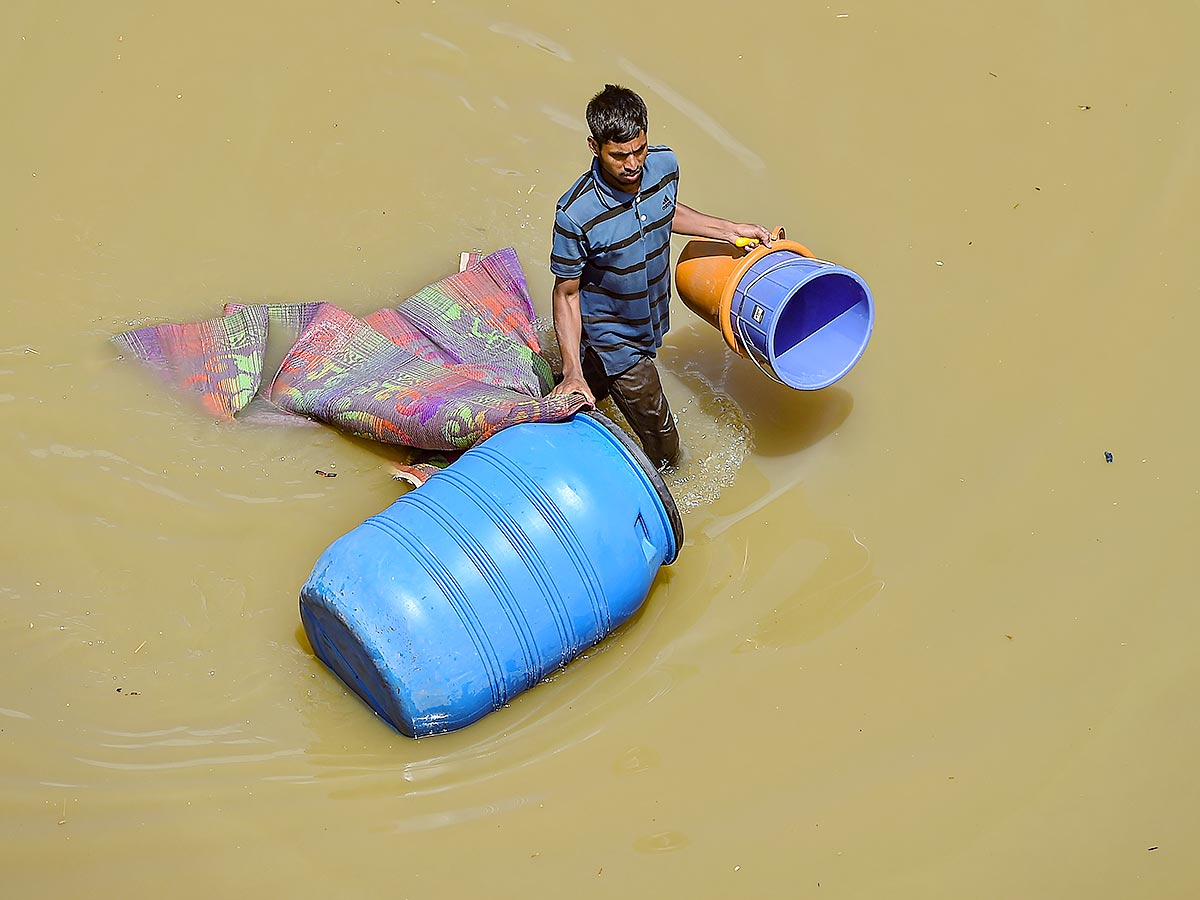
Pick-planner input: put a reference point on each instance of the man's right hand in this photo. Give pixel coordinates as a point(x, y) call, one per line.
point(575, 384)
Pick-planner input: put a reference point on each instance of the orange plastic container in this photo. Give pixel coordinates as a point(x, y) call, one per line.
point(708, 273)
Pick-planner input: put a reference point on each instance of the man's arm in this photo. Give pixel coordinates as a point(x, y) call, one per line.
point(569, 328)
point(696, 224)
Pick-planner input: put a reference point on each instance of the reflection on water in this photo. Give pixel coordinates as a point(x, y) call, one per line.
point(531, 38)
point(636, 760)
point(703, 120)
point(661, 842)
point(451, 817)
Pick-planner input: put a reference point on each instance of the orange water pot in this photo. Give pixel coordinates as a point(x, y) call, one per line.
point(803, 321)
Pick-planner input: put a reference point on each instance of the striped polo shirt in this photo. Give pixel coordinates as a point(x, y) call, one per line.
point(619, 246)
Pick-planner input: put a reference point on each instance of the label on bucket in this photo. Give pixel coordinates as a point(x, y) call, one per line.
point(758, 314)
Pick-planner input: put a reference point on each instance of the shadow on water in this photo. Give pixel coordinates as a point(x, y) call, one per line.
point(783, 420)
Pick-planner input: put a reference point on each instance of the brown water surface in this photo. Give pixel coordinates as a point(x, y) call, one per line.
point(923, 640)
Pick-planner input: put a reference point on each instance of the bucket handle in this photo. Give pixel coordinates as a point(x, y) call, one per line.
point(751, 352)
point(749, 243)
point(782, 264)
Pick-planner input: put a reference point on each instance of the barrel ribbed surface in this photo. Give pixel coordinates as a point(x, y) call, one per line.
point(500, 569)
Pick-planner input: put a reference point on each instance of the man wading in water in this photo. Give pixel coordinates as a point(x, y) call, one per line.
point(611, 265)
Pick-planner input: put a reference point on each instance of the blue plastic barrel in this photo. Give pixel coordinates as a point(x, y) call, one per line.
point(806, 321)
point(527, 550)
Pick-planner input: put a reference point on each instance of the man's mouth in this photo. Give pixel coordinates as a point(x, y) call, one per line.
point(632, 176)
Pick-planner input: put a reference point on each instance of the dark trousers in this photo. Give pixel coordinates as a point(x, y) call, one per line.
point(638, 394)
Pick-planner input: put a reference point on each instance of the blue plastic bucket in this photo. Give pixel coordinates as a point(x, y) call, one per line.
point(804, 321)
point(530, 548)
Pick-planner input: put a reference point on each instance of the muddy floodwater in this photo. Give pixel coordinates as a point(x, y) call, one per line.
point(924, 640)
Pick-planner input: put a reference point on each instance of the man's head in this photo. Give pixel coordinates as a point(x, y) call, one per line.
point(617, 120)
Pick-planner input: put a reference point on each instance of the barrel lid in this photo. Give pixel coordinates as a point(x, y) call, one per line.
point(652, 473)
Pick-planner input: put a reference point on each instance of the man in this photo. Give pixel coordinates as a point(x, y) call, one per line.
point(611, 262)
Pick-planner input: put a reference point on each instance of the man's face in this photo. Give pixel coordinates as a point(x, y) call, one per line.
point(622, 164)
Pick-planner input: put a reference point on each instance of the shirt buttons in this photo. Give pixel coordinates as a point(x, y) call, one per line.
point(643, 218)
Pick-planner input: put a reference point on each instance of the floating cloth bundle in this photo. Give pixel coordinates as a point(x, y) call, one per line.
point(450, 366)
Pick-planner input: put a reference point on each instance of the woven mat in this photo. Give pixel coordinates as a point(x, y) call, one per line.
point(450, 366)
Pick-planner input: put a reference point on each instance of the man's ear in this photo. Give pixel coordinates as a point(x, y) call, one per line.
point(593, 146)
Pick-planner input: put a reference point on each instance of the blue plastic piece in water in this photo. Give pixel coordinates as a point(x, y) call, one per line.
point(530, 548)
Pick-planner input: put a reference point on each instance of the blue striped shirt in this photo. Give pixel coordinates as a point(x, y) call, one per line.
point(619, 246)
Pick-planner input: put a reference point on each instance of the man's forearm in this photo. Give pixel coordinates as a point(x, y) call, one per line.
point(697, 224)
point(568, 326)
point(689, 222)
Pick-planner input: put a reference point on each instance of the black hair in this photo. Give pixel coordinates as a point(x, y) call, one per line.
point(616, 115)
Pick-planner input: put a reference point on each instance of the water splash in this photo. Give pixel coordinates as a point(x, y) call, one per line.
point(714, 433)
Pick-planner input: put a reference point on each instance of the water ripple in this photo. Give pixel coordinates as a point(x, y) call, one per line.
point(533, 39)
point(151, 750)
point(441, 41)
point(699, 117)
point(188, 763)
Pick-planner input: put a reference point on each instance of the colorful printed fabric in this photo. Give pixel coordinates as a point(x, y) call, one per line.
point(221, 359)
point(450, 366)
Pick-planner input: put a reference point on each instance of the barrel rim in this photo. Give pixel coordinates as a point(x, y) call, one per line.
point(651, 472)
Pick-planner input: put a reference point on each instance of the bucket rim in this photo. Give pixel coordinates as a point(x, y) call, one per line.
point(770, 357)
point(773, 357)
point(652, 475)
point(725, 307)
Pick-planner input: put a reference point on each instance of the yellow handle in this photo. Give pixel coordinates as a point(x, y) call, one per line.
point(743, 242)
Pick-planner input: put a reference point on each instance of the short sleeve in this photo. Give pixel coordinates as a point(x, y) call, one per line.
point(567, 254)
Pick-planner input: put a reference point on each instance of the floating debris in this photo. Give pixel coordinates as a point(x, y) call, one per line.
point(325, 474)
point(1108, 457)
